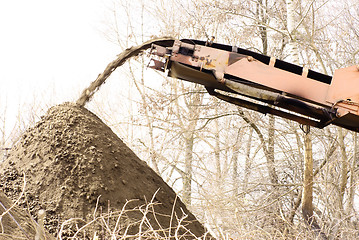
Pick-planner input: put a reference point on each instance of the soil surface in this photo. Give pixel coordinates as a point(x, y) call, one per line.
point(76, 167)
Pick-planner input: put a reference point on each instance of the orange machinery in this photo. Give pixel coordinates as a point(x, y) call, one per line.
point(263, 83)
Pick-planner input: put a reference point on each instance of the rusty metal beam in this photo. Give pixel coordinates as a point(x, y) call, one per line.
point(265, 109)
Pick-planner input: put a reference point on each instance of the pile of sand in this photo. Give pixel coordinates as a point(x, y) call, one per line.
point(74, 164)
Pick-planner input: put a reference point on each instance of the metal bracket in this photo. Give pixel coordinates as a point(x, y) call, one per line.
point(157, 65)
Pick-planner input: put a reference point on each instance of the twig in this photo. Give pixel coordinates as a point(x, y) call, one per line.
point(65, 223)
point(97, 201)
point(119, 217)
point(172, 213)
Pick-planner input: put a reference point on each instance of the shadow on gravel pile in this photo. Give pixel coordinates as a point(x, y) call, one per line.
point(71, 160)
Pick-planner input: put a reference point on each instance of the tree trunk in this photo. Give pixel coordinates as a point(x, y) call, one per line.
point(307, 202)
point(187, 178)
point(217, 153)
point(344, 170)
point(307, 195)
point(262, 17)
point(291, 27)
point(270, 158)
point(192, 103)
point(247, 165)
point(352, 179)
point(234, 161)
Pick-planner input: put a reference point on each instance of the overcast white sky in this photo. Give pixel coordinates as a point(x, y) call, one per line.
point(50, 48)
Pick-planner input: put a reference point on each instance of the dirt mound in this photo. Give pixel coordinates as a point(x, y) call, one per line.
point(76, 167)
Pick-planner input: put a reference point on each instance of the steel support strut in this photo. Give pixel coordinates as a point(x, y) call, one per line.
point(269, 110)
